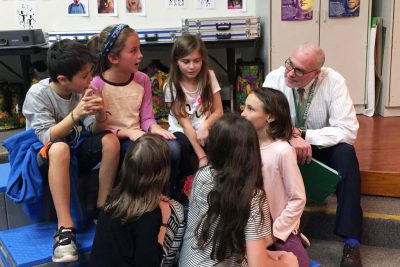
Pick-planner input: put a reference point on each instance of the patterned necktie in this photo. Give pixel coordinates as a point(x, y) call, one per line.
point(302, 100)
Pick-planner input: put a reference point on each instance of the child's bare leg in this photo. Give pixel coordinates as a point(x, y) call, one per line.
point(108, 167)
point(59, 182)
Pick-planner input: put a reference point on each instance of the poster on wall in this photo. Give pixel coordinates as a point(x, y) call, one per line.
point(107, 7)
point(175, 3)
point(344, 8)
point(239, 5)
point(27, 17)
point(206, 4)
point(135, 7)
point(77, 7)
point(297, 10)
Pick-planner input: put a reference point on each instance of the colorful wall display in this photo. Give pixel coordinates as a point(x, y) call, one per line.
point(344, 8)
point(297, 10)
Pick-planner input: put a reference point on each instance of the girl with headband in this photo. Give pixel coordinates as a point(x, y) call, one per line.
point(127, 94)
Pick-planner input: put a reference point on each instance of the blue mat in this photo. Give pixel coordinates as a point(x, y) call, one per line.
point(32, 245)
point(4, 171)
point(3, 261)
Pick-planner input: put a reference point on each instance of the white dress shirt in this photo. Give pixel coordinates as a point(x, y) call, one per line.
point(332, 117)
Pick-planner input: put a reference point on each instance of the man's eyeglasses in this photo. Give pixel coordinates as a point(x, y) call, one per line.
point(298, 72)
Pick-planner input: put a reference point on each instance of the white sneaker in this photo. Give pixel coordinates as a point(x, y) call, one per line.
point(64, 245)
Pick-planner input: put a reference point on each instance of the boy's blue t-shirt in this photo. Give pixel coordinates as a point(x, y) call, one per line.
point(76, 9)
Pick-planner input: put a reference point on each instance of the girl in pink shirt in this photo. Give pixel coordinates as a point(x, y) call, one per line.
point(126, 91)
point(268, 110)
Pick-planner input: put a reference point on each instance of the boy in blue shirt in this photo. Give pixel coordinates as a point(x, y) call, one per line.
point(76, 7)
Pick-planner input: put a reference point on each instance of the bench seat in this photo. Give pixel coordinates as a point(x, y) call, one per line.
point(31, 245)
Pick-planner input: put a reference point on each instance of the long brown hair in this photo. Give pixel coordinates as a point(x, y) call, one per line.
point(96, 46)
point(234, 156)
point(182, 47)
point(145, 172)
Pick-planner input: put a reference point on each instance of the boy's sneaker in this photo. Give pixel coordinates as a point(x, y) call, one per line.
point(64, 245)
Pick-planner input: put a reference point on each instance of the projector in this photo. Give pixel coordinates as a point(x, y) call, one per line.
point(21, 38)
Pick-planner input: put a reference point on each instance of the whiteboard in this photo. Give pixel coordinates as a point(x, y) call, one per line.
point(51, 15)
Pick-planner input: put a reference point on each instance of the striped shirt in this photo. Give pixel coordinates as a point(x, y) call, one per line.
point(174, 235)
point(192, 256)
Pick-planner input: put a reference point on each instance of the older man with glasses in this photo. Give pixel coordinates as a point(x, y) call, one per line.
point(325, 127)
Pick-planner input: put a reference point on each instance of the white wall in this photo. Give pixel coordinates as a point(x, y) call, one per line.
point(52, 15)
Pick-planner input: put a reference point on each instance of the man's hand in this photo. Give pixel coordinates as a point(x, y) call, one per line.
point(302, 147)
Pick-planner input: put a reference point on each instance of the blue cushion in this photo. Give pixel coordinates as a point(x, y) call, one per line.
point(32, 245)
point(4, 171)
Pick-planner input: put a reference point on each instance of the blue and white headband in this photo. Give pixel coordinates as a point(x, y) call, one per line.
point(112, 38)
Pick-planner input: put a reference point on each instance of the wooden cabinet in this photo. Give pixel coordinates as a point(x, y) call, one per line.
point(389, 10)
point(344, 40)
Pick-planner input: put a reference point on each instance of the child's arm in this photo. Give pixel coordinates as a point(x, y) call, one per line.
point(146, 109)
point(63, 128)
point(94, 101)
point(100, 122)
point(191, 135)
point(216, 113)
point(216, 110)
point(289, 218)
point(38, 112)
point(258, 238)
point(259, 256)
point(147, 121)
point(165, 214)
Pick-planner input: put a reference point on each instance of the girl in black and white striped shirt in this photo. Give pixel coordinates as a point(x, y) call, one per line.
point(226, 224)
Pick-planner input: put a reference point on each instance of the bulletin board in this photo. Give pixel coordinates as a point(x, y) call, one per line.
point(55, 15)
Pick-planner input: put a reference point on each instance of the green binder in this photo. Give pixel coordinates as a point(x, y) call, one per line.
point(319, 179)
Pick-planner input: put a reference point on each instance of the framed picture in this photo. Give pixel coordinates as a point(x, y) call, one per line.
point(27, 15)
point(239, 5)
point(135, 7)
point(107, 8)
point(344, 8)
point(293, 10)
point(77, 7)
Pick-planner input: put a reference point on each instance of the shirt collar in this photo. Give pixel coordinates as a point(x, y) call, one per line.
point(308, 86)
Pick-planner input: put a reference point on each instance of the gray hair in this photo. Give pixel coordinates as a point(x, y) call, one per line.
point(313, 50)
